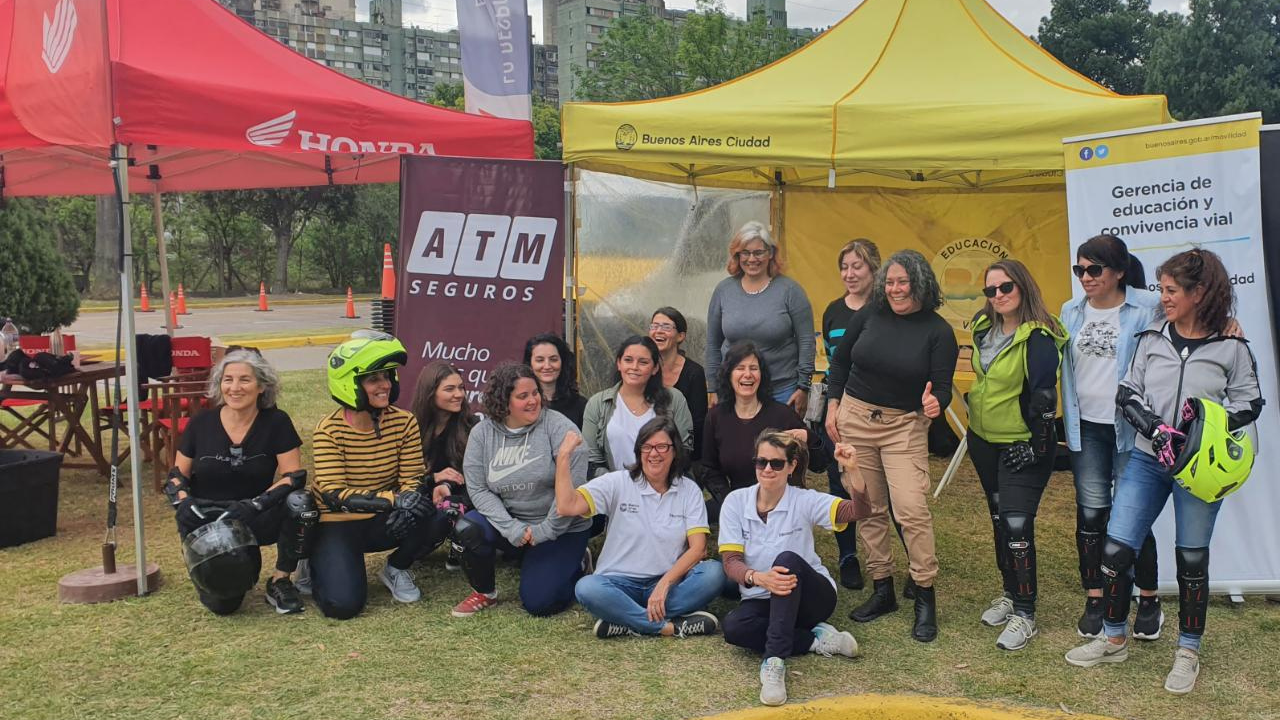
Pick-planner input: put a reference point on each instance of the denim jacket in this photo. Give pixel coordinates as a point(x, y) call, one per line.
point(1139, 309)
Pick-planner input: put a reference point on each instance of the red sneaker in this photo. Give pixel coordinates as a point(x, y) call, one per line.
point(474, 603)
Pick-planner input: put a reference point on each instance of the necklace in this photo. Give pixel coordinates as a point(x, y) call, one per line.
point(757, 292)
point(749, 413)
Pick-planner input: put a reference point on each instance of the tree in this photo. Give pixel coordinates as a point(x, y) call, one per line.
point(229, 230)
point(286, 212)
point(715, 48)
point(348, 245)
point(105, 281)
point(71, 220)
point(1107, 41)
point(36, 289)
point(448, 95)
point(635, 60)
point(546, 131)
point(1224, 59)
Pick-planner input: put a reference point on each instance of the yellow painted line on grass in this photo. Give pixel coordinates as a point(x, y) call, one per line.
point(248, 303)
point(107, 352)
point(896, 707)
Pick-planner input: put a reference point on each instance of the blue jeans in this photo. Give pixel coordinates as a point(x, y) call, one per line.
point(1141, 494)
point(1098, 465)
point(782, 395)
point(621, 599)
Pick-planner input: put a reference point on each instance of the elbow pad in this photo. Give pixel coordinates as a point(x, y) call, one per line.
point(1142, 419)
point(1043, 408)
point(359, 503)
point(1241, 418)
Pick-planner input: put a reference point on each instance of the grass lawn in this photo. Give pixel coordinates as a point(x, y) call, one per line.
point(166, 657)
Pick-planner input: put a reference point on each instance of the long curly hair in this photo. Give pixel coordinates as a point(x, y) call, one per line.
point(1203, 268)
point(736, 353)
point(924, 284)
point(455, 428)
point(655, 393)
point(502, 382)
point(567, 382)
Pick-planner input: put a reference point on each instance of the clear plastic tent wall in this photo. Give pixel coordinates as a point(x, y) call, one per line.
point(644, 245)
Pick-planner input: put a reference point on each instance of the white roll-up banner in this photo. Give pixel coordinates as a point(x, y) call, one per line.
point(1165, 189)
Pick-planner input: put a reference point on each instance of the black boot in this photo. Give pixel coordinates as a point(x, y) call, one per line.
point(882, 601)
point(851, 574)
point(909, 588)
point(926, 627)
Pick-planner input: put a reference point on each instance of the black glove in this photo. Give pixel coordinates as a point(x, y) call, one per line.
point(185, 514)
point(409, 509)
point(1018, 455)
point(1142, 419)
point(243, 510)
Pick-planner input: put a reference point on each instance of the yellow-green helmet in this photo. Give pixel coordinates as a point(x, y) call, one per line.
point(365, 353)
point(1214, 462)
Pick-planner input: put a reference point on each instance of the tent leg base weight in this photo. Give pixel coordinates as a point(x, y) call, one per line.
point(95, 586)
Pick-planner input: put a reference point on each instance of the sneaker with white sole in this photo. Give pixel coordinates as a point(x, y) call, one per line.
point(588, 564)
point(699, 622)
point(474, 603)
point(400, 583)
point(454, 559)
point(283, 596)
point(829, 641)
point(1149, 618)
point(999, 612)
point(773, 681)
point(605, 630)
point(1017, 632)
point(1186, 668)
point(1099, 650)
point(302, 577)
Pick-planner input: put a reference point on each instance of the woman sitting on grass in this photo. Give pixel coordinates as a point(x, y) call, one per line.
point(766, 542)
point(652, 578)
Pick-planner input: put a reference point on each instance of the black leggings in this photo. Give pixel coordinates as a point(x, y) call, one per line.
point(1013, 498)
point(338, 577)
point(267, 527)
point(782, 625)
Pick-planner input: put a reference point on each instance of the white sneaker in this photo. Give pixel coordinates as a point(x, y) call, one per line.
point(999, 612)
point(829, 641)
point(1186, 668)
point(302, 578)
point(1099, 650)
point(773, 681)
point(400, 583)
point(1017, 633)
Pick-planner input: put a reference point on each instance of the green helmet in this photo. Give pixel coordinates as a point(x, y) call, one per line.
point(1214, 462)
point(365, 353)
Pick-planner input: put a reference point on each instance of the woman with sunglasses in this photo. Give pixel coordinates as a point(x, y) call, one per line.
point(614, 415)
point(758, 303)
point(667, 330)
point(1103, 326)
point(1183, 356)
point(1017, 348)
point(557, 369)
point(653, 577)
point(766, 544)
point(890, 377)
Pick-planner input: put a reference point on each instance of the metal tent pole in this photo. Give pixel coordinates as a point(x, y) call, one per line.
point(157, 217)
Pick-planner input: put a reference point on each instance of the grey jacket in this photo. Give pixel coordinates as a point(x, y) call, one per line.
point(1223, 370)
point(595, 426)
point(511, 476)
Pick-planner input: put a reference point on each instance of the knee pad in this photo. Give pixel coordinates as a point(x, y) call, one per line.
point(1091, 529)
point(302, 510)
point(467, 535)
point(1092, 519)
point(1019, 537)
point(1193, 589)
point(1117, 561)
point(1145, 565)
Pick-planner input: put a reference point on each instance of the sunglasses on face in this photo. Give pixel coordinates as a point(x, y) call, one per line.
point(1003, 288)
point(756, 254)
point(774, 464)
point(1093, 271)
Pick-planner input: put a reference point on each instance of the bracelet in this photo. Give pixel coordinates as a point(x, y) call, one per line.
point(750, 578)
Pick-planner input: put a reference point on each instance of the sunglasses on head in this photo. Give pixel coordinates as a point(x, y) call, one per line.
point(1004, 288)
point(773, 463)
point(1092, 270)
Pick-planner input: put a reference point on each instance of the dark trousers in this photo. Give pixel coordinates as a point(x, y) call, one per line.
point(548, 570)
point(267, 527)
point(782, 625)
point(847, 539)
point(339, 581)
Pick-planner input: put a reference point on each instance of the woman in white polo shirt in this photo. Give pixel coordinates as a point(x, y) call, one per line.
point(652, 578)
point(766, 542)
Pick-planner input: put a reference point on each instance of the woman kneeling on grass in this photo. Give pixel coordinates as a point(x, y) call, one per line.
point(652, 578)
point(766, 542)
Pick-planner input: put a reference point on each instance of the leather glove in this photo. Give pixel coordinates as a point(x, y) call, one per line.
point(410, 508)
point(185, 514)
point(243, 510)
point(1018, 455)
point(1166, 443)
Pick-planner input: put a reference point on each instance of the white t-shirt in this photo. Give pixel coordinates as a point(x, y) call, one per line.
point(622, 430)
point(790, 527)
point(647, 532)
point(1093, 359)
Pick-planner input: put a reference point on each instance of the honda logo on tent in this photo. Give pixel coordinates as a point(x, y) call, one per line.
point(58, 35)
point(272, 132)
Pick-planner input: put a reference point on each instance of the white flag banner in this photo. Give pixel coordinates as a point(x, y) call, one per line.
point(1165, 189)
point(497, 68)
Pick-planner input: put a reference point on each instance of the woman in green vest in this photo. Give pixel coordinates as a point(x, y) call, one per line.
point(1017, 348)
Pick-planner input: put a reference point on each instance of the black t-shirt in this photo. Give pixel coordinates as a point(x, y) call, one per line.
point(885, 359)
point(835, 319)
point(1186, 345)
point(571, 406)
point(692, 384)
point(222, 471)
point(730, 442)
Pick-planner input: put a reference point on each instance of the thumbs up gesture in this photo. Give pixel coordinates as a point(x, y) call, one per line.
point(929, 403)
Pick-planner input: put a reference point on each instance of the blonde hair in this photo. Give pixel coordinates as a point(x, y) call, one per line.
point(749, 233)
point(866, 251)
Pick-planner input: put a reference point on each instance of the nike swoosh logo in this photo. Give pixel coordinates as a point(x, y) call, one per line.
point(497, 475)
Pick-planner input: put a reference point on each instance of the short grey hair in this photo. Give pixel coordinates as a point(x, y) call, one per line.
point(924, 284)
point(266, 376)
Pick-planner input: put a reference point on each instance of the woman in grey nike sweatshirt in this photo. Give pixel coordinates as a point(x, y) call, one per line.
point(510, 471)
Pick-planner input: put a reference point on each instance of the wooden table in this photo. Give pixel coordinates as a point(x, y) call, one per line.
point(66, 399)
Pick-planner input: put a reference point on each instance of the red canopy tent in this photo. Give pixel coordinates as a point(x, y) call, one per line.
point(182, 95)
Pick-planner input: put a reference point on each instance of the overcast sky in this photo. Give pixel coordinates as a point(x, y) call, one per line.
point(1026, 14)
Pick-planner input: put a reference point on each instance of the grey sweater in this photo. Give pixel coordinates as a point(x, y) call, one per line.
point(511, 476)
point(779, 321)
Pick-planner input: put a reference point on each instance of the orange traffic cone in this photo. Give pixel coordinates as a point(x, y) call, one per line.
point(173, 314)
point(262, 298)
point(351, 306)
point(146, 301)
point(388, 274)
point(182, 301)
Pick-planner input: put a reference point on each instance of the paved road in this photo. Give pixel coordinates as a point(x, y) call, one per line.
point(99, 328)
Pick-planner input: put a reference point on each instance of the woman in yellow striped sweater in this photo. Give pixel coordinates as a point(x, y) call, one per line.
point(368, 477)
